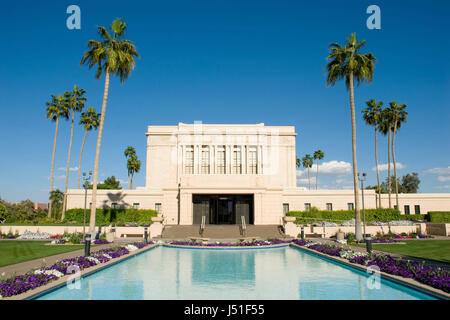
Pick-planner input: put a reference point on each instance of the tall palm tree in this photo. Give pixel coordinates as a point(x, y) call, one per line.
point(371, 116)
point(385, 126)
point(297, 162)
point(307, 162)
point(318, 155)
point(347, 63)
point(133, 164)
point(90, 120)
point(399, 116)
point(55, 109)
point(75, 103)
point(112, 55)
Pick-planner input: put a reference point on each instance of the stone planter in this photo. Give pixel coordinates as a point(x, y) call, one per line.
point(157, 219)
point(289, 219)
point(340, 236)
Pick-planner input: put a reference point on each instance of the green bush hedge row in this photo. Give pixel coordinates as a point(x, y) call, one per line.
point(439, 216)
point(108, 216)
point(343, 215)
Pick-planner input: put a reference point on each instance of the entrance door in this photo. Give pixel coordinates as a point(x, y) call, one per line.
point(225, 212)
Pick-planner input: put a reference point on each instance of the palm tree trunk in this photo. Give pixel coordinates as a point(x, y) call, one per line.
point(131, 184)
point(97, 154)
point(63, 215)
point(79, 161)
point(309, 181)
point(378, 173)
point(49, 215)
point(389, 167)
point(395, 167)
point(358, 231)
point(317, 174)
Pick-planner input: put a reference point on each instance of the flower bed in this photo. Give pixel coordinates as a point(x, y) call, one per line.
point(434, 277)
point(36, 278)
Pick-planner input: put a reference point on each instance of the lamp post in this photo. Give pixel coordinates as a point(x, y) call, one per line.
point(146, 234)
point(86, 186)
point(362, 179)
point(87, 245)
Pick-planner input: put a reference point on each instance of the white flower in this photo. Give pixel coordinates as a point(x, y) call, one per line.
point(93, 260)
point(131, 247)
point(50, 272)
point(107, 256)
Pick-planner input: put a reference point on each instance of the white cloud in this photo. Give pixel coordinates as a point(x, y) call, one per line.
point(384, 166)
point(442, 187)
point(70, 169)
point(331, 168)
point(440, 171)
point(443, 178)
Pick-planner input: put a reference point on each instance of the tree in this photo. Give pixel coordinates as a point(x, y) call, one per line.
point(3, 212)
point(133, 165)
point(385, 126)
point(410, 182)
point(399, 116)
point(297, 162)
point(55, 109)
point(307, 162)
point(371, 116)
point(90, 120)
point(348, 64)
point(318, 155)
point(75, 103)
point(110, 183)
point(56, 197)
point(112, 55)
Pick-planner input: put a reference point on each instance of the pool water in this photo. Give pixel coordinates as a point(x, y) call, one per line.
point(284, 273)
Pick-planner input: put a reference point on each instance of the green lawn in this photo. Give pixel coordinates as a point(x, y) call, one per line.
point(428, 249)
point(16, 251)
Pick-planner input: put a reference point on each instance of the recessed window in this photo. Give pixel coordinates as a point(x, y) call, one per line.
point(189, 160)
point(114, 205)
point(307, 206)
point(220, 161)
point(205, 160)
point(237, 166)
point(158, 207)
point(417, 209)
point(329, 207)
point(285, 208)
point(406, 207)
point(350, 206)
point(252, 161)
point(136, 205)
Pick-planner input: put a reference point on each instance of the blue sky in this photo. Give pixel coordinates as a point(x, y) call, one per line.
point(224, 62)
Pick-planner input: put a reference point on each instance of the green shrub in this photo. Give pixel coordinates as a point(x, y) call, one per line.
point(439, 216)
point(343, 215)
point(108, 216)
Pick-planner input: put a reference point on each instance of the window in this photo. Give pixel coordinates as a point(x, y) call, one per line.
point(237, 167)
point(90, 205)
point(136, 205)
point(285, 208)
point(158, 207)
point(114, 205)
point(189, 160)
point(329, 206)
point(307, 206)
point(417, 209)
point(406, 209)
point(252, 161)
point(350, 206)
point(220, 159)
point(395, 207)
point(205, 160)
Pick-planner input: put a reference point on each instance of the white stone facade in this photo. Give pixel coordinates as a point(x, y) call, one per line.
point(250, 168)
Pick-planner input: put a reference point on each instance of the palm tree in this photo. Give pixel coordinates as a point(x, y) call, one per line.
point(347, 63)
point(307, 162)
point(90, 120)
point(297, 162)
point(112, 55)
point(385, 126)
point(371, 116)
point(75, 103)
point(133, 165)
point(399, 116)
point(318, 155)
point(55, 109)
point(56, 196)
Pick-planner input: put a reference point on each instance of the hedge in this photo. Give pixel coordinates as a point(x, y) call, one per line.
point(343, 215)
point(439, 216)
point(108, 216)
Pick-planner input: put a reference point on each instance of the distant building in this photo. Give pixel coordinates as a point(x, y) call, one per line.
point(43, 206)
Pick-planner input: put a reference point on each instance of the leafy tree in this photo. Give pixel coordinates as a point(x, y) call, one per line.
point(307, 162)
point(90, 120)
point(3, 212)
point(346, 63)
point(410, 182)
point(110, 183)
point(75, 103)
point(112, 55)
point(56, 197)
point(318, 155)
point(372, 116)
point(56, 109)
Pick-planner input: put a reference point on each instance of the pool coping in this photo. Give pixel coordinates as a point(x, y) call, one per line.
point(180, 246)
point(408, 282)
point(53, 285)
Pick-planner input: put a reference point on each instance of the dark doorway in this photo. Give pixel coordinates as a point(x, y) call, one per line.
point(223, 209)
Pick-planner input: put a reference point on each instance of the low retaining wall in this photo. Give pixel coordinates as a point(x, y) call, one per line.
point(438, 229)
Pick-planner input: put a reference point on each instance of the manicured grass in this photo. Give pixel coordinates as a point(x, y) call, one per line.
point(16, 251)
point(429, 249)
